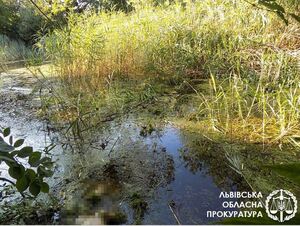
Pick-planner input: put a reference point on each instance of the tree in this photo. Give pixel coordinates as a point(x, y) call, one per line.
point(8, 17)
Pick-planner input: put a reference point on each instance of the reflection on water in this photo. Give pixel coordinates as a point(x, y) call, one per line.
point(179, 177)
point(194, 189)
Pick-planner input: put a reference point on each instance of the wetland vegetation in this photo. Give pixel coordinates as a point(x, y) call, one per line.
point(142, 112)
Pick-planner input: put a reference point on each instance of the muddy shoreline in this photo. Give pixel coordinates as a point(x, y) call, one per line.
point(130, 171)
point(142, 166)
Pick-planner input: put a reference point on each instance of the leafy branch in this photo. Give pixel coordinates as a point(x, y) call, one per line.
point(32, 177)
point(273, 6)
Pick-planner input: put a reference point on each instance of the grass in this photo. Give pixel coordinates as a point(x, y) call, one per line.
point(174, 39)
point(264, 112)
point(289, 171)
point(13, 50)
point(248, 55)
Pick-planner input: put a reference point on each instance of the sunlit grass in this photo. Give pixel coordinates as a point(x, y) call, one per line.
point(250, 57)
point(216, 35)
point(265, 112)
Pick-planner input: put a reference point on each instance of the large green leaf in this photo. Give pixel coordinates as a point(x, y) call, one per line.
point(19, 143)
point(6, 132)
point(25, 152)
point(44, 187)
point(16, 172)
point(22, 184)
point(34, 159)
point(30, 174)
point(34, 188)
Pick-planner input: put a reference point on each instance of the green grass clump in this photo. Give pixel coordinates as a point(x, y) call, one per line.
point(13, 50)
point(260, 112)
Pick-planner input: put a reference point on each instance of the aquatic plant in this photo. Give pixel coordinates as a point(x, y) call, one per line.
point(260, 112)
point(251, 53)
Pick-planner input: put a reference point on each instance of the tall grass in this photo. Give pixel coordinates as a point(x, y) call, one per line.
point(265, 112)
point(250, 51)
point(13, 50)
point(174, 39)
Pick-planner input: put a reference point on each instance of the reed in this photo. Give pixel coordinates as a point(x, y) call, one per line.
point(249, 56)
point(183, 39)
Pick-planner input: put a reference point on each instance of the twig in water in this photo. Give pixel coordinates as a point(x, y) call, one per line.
point(113, 146)
point(175, 216)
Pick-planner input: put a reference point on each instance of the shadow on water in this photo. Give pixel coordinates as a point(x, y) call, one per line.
point(197, 183)
point(169, 178)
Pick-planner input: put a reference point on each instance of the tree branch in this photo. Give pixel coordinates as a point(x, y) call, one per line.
point(11, 182)
point(7, 180)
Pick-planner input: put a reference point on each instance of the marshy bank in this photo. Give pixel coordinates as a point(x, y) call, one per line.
point(156, 110)
point(142, 168)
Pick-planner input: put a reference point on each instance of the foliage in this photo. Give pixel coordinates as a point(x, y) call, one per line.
point(29, 211)
point(165, 41)
point(59, 10)
point(277, 8)
point(245, 48)
point(19, 20)
point(263, 112)
point(8, 16)
point(28, 167)
point(29, 24)
point(289, 171)
point(11, 49)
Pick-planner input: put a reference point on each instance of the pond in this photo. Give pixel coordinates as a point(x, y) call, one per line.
point(175, 186)
point(128, 172)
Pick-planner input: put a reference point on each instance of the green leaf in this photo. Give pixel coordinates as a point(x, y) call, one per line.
point(13, 153)
point(44, 161)
point(22, 184)
point(272, 5)
point(34, 158)
point(6, 132)
point(48, 164)
point(16, 172)
point(19, 143)
point(30, 174)
point(281, 16)
point(34, 188)
point(25, 152)
point(44, 187)
point(4, 147)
